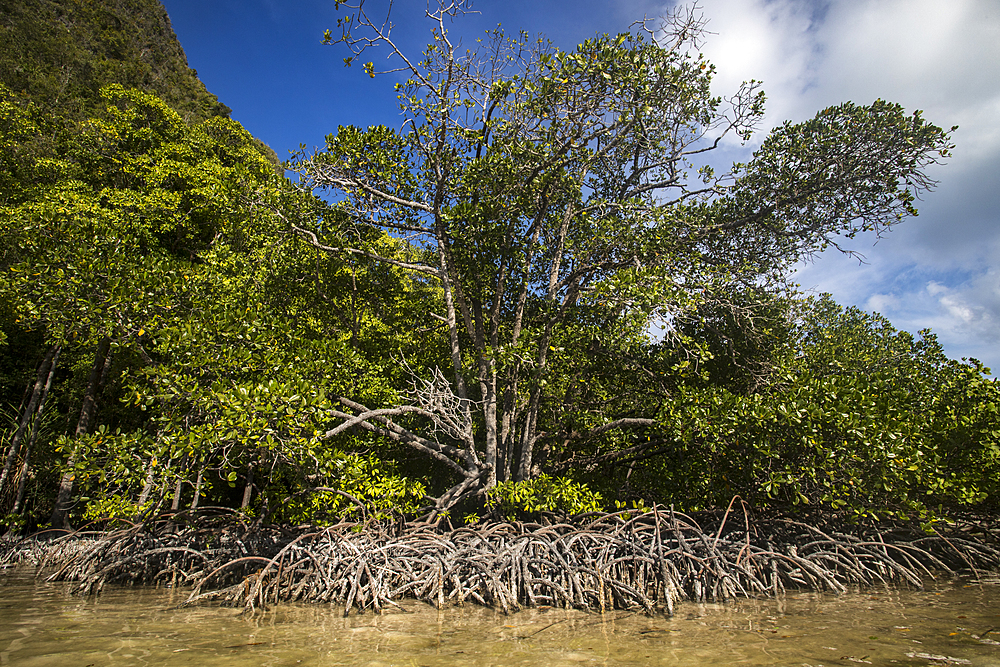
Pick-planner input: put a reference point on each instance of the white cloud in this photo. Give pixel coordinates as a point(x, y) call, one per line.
point(934, 288)
point(959, 311)
point(765, 41)
point(881, 303)
point(943, 57)
point(941, 270)
point(966, 317)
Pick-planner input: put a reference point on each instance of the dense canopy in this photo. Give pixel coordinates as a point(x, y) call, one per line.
point(540, 293)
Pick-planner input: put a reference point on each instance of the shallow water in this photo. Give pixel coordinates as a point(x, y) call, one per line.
point(42, 624)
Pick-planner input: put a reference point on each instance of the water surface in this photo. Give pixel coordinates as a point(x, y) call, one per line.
point(951, 622)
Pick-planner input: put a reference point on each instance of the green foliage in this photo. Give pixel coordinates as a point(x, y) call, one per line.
point(160, 232)
point(133, 198)
point(538, 214)
point(161, 237)
point(368, 489)
point(137, 223)
point(516, 500)
point(563, 203)
point(861, 418)
point(113, 507)
point(795, 184)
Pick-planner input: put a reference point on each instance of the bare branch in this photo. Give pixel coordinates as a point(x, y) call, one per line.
point(315, 242)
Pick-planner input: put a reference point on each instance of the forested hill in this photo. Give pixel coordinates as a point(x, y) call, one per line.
point(61, 52)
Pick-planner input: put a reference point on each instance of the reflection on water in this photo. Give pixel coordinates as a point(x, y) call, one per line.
point(41, 624)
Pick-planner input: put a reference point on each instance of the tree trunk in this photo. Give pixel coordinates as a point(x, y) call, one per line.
point(147, 486)
point(528, 436)
point(28, 415)
point(98, 373)
point(35, 423)
point(489, 389)
point(179, 485)
point(248, 489)
point(197, 488)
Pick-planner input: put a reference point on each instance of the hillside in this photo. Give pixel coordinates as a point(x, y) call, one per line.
point(61, 52)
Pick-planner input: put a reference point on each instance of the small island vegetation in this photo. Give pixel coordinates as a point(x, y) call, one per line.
point(531, 348)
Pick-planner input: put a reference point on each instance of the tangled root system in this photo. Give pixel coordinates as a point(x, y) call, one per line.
point(626, 560)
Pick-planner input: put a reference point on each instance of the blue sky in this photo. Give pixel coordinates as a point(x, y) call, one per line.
point(264, 59)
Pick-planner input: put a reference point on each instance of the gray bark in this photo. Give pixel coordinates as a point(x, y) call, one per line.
point(248, 489)
point(22, 481)
point(98, 373)
point(27, 417)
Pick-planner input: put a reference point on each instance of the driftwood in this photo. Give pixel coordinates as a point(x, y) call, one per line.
point(647, 561)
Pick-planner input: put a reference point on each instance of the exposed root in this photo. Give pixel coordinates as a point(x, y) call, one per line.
point(625, 560)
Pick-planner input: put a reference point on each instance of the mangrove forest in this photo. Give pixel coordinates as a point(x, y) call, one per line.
point(530, 346)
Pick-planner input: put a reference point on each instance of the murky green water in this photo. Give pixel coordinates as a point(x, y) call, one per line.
point(41, 624)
